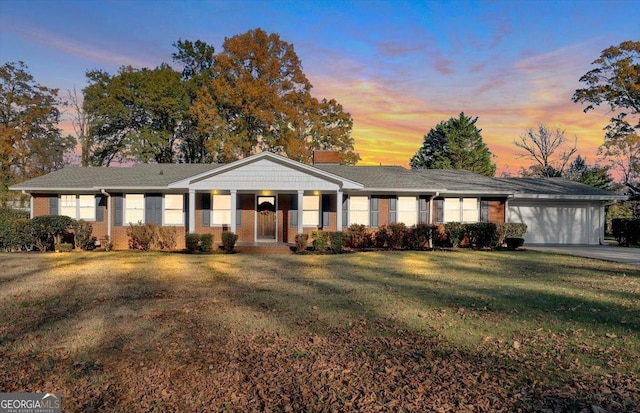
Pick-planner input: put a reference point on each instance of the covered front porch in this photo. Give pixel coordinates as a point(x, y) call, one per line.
point(265, 198)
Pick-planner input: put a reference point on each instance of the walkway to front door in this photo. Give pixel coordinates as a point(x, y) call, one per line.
point(266, 212)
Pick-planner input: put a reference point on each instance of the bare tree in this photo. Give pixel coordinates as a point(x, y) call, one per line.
point(547, 149)
point(80, 122)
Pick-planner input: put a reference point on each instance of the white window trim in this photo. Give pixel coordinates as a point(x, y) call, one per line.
point(413, 201)
point(76, 207)
point(367, 222)
point(306, 212)
point(165, 209)
point(461, 211)
point(214, 210)
point(125, 220)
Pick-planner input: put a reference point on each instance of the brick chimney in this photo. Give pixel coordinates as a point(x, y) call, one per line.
point(326, 157)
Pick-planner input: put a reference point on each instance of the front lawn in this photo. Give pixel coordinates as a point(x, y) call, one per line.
point(380, 331)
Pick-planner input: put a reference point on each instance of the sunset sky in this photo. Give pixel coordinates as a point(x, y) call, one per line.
point(398, 67)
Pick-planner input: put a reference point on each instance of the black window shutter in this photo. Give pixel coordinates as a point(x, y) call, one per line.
point(185, 209)
point(101, 201)
point(484, 211)
point(423, 208)
point(153, 208)
point(440, 211)
point(293, 211)
point(374, 215)
point(345, 211)
point(118, 210)
point(326, 208)
point(206, 210)
point(53, 205)
point(393, 208)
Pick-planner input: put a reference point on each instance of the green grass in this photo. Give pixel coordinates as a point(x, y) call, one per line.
point(102, 327)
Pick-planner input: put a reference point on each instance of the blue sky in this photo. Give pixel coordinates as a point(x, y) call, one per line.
point(398, 67)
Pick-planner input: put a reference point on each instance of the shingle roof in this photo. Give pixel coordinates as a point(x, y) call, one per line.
point(372, 177)
point(142, 175)
point(386, 177)
point(551, 186)
point(456, 180)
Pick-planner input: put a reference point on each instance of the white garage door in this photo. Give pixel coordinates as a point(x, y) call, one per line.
point(553, 222)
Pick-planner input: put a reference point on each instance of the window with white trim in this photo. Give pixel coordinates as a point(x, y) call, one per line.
point(173, 206)
point(470, 210)
point(221, 210)
point(359, 210)
point(78, 206)
point(68, 205)
point(451, 210)
point(407, 210)
point(134, 208)
point(87, 207)
point(310, 210)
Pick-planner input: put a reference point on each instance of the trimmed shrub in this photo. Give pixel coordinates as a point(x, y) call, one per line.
point(320, 240)
point(301, 242)
point(358, 237)
point(141, 236)
point(47, 230)
point(206, 242)
point(337, 240)
point(9, 239)
point(82, 238)
point(22, 234)
point(455, 232)
point(626, 230)
point(509, 230)
point(481, 235)
point(420, 236)
point(192, 242)
point(391, 236)
point(64, 247)
point(229, 240)
point(167, 238)
point(513, 243)
point(440, 238)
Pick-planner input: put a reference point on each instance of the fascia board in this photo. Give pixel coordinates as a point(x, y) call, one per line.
point(571, 197)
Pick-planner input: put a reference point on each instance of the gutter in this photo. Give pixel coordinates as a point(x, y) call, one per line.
point(108, 214)
point(506, 206)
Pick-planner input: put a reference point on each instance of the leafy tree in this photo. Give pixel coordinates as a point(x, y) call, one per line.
point(136, 114)
point(197, 60)
point(548, 149)
point(30, 142)
point(260, 100)
point(455, 144)
point(596, 176)
point(615, 82)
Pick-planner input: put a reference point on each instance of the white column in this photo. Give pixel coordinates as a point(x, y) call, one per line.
point(300, 205)
point(234, 202)
point(192, 211)
point(30, 205)
point(339, 211)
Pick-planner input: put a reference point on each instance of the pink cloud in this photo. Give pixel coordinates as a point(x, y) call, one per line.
point(74, 47)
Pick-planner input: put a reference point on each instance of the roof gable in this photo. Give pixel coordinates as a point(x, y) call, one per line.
point(267, 171)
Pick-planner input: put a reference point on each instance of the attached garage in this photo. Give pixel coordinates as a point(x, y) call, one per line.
point(558, 211)
point(559, 222)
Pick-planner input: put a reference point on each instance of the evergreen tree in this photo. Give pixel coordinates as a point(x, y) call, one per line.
point(455, 144)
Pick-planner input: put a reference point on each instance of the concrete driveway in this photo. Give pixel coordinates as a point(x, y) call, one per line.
point(602, 252)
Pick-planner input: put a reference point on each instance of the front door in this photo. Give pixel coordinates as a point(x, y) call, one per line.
point(266, 212)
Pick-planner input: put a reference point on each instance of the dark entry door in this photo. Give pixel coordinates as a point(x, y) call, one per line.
point(266, 217)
